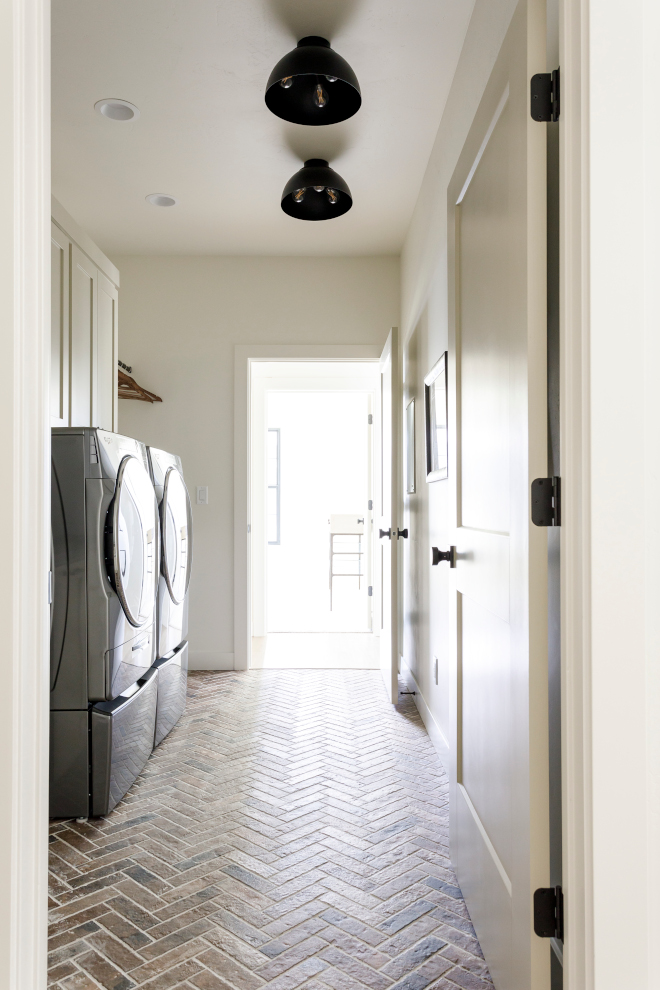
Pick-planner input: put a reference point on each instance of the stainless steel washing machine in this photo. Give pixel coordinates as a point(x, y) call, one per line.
point(105, 567)
point(172, 599)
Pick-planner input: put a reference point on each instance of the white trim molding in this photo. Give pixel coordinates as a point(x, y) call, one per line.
point(436, 735)
point(24, 499)
point(610, 423)
point(210, 661)
point(68, 225)
point(244, 355)
point(576, 516)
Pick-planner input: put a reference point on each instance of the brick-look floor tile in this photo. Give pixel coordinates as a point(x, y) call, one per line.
point(291, 832)
point(79, 981)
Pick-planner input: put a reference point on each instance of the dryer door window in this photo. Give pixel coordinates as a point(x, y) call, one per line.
point(132, 531)
point(176, 527)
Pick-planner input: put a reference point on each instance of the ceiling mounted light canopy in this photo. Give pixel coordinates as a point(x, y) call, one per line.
point(316, 192)
point(313, 85)
point(120, 110)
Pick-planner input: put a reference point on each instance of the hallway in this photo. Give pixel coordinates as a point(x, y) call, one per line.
point(340, 650)
point(289, 833)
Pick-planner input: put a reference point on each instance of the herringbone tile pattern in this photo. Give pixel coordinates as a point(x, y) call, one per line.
point(289, 834)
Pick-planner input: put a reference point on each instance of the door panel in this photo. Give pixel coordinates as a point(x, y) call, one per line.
point(499, 833)
point(487, 309)
point(484, 571)
point(487, 709)
point(60, 247)
point(106, 355)
point(389, 498)
point(482, 875)
point(83, 337)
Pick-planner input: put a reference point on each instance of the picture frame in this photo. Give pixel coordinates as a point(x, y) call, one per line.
point(435, 407)
point(410, 447)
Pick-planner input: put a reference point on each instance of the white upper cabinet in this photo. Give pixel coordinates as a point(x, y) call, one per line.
point(105, 390)
point(84, 297)
point(60, 257)
point(83, 378)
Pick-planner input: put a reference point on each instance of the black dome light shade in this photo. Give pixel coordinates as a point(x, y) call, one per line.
point(316, 192)
point(313, 85)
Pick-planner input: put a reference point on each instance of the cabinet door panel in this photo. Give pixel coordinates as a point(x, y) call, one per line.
point(84, 278)
point(60, 249)
point(106, 356)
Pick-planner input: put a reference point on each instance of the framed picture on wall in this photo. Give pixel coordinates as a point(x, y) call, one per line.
point(435, 402)
point(410, 447)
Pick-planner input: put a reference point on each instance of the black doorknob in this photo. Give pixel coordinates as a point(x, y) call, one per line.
point(438, 555)
point(384, 532)
point(403, 533)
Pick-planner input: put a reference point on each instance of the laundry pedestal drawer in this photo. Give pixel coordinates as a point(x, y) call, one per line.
point(122, 741)
point(172, 686)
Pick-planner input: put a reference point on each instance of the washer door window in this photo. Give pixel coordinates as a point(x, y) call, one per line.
point(132, 531)
point(176, 523)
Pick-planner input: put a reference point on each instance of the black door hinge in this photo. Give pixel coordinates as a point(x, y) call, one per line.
point(544, 91)
point(549, 912)
point(370, 590)
point(370, 419)
point(546, 501)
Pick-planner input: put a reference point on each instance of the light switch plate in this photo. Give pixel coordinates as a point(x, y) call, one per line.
point(202, 495)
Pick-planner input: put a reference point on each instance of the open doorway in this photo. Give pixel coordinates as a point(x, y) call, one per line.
point(314, 430)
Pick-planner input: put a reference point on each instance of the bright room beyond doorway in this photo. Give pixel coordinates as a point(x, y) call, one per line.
point(314, 430)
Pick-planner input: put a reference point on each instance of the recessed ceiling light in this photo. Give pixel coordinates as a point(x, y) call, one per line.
point(117, 110)
point(161, 199)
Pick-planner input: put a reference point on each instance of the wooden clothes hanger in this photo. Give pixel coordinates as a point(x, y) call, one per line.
point(128, 388)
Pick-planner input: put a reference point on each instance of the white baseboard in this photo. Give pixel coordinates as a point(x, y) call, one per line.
point(211, 661)
point(436, 735)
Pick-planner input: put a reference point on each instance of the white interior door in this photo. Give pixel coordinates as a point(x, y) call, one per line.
point(388, 505)
point(499, 820)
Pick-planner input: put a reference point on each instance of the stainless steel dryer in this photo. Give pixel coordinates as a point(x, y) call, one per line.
point(172, 609)
point(106, 560)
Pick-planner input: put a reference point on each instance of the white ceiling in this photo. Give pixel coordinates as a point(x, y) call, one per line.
point(197, 70)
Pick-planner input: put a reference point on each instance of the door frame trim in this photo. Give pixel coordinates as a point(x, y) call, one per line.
point(575, 534)
point(25, 498)
point(244, 355)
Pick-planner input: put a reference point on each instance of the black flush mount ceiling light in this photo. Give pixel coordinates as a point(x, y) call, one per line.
point(316, 192)
point(313, 85)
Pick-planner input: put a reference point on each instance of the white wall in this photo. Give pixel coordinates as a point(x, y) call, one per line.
point(179, 320)
point(424, 332)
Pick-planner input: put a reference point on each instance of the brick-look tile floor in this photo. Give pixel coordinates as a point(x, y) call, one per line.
point(289, 834)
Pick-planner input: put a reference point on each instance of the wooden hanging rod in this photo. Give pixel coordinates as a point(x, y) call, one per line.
point(128, 388)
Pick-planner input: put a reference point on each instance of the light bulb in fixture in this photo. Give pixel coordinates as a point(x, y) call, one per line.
point(320, 96)
point(310, 78)
point(326, 194)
